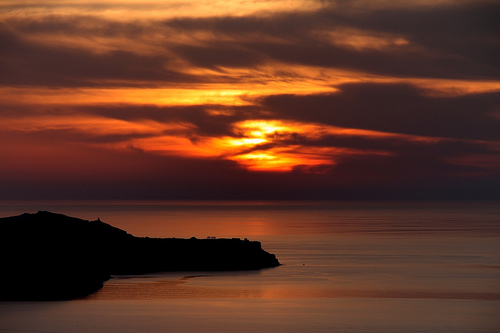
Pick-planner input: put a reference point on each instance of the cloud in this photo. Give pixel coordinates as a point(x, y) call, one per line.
point(219, 55)
point(60, 49)
point(395, 108)
point(26, 63)
point(323, 99)
point(291, 132)
point(466, 30)
point(35, 166)
point(381, 41)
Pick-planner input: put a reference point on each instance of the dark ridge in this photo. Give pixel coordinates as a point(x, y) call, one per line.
point(48, 256)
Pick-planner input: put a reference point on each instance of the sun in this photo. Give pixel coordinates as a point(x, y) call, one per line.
point(267, 145)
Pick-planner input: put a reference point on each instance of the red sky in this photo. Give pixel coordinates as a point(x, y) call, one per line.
point(292, 99)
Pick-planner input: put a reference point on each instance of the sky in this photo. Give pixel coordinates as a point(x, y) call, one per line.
point(257, 100)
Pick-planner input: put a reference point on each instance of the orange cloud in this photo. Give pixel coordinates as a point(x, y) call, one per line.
point(260, 145)
point(296, 85)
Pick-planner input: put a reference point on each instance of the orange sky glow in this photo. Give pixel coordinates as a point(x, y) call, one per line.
point(323, 91)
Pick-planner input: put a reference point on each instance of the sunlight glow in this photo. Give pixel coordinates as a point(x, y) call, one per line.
point(124, 9)
point(198, 79)
point(361, 40)
point(282, 151)
point(90, 125)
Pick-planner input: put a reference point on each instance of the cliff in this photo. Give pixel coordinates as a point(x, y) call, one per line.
point(47, 256)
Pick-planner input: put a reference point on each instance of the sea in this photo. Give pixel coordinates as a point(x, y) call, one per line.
point(345, 267)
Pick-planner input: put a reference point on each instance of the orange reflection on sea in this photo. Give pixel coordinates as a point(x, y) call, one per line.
point(181, 288)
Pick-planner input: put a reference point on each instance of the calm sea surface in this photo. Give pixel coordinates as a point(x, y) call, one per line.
point(346, 267)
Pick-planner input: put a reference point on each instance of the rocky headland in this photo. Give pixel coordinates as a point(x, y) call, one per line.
point(48, 256)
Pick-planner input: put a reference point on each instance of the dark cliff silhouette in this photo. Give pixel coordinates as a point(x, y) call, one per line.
point(47, 256)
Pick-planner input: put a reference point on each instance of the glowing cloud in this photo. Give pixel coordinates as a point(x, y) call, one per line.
point(260, 90)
